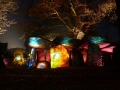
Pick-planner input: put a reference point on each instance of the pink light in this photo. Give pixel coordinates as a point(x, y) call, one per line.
point(108, 49)
point(41, 56)
point(102, 45)
point(84, 45)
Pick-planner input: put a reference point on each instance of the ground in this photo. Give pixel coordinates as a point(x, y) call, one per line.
point(82, 78)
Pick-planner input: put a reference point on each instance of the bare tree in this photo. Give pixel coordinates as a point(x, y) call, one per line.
point(6, 6)
point(78, 16)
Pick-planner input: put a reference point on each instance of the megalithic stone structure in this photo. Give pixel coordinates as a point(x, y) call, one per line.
point(94, 55)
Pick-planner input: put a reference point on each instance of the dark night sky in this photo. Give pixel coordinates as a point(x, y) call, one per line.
point(12, 35)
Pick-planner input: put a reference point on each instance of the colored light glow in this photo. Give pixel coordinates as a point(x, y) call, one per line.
point(32, 50)
point(66, 41)
point(96, 40)
point(35, 42)
point(69, 45)
point(18, 57)
point(102, 45)
point(41, 65)
point(59, 57)
point(31, 59)
point(108, 49)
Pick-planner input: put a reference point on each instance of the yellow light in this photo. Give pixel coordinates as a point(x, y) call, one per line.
point(66, 44)
point(18, 57)
point(59, 57)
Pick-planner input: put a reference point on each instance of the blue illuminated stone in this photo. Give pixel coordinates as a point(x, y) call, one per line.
point(97, 40)
point(35, 42)
point(66, 41)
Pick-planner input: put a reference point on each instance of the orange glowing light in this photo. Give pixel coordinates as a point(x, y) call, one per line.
point(84, 53)
point(59, 57)
point(42, 65)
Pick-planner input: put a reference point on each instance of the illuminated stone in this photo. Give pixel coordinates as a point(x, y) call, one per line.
point(97, 40)
point(35, 42)
point(42, 65)
point(14, 57)
point(59, 57)
point(31, 59)
point(80, 35)
point(18, 58)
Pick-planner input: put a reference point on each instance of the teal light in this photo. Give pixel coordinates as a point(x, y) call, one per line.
point(35, 42)
point(66, 41)
point(97, 40)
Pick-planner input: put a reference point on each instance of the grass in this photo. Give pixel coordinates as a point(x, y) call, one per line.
point(81, 78)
